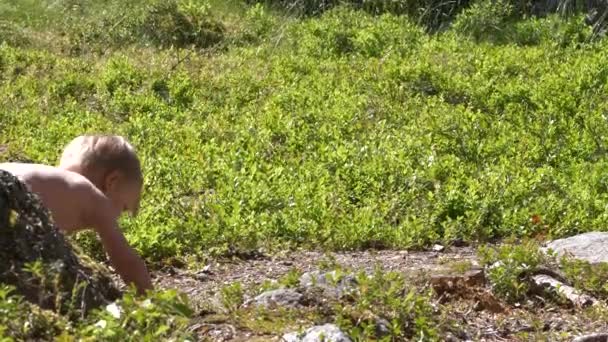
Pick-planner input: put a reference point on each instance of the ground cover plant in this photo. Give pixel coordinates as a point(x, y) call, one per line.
point(343, 126)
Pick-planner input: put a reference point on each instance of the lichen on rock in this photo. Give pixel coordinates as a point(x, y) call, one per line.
point(40, 263)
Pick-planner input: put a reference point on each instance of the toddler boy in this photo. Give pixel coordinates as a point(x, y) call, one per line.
point(98, 178)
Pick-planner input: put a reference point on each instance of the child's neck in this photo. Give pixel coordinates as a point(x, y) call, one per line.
point(95, 178)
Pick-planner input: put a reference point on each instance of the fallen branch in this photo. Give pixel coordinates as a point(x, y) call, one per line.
point(573, 295)
point(592, 338)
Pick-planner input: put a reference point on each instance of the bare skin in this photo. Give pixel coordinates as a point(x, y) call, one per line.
point(76, 204)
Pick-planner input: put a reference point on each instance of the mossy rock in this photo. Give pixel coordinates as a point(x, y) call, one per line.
point(40, 263)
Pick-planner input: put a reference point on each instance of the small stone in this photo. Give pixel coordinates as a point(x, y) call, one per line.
point(114, 310)
point(291, 337)
point(201, 276)
point(438, 248)
point(382, 327)
point(286, 298)
point(325, 333)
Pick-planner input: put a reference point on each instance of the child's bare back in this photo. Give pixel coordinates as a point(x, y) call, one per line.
point(67, 195)
point(98, 178)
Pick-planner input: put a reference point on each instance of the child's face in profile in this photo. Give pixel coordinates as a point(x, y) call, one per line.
point(125, 196)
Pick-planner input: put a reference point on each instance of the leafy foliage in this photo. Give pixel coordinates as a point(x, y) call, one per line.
point(162, 315)
point(437, 15)
point(587, 277)
point(24, 321)
point(385, 296)
point(93, 26)
point(351, 128)
point(345, 131)
point(376, 306)
point(181, 24)
point(508, 266)
point(484, 18)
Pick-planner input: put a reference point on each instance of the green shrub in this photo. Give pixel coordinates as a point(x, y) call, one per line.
point(90, 244)
point(432, 15)
point(89, 26)
point(232, 296)
point(73, 87)
point(385, 296)
point(346, 131)
point(181, 24)
point(162, 315)
point(20, 320)
point(259, 24)
point(12, 34)
point(121, 74)
point(586, 277)
point(484, 20)
point(495, 22)
point(436, 15)
point(508, 266)
point(346, 32)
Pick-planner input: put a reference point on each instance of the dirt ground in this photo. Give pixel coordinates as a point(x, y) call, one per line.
point(252, 272)
point(475, 313)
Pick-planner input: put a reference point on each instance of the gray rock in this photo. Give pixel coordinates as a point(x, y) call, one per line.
point(319, 333)
point(382, 327)
point(286, 298)
point(330, 282)
point(591, 247)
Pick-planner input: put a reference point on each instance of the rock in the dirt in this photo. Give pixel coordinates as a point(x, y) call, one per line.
point(591, 247)
point(592, 338)
point(64, 279)
point(285, 298)
point(332, 284)
point(319, 333)
point(382, 327)
point(438, 248)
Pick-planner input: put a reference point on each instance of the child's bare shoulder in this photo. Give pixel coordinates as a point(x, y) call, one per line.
point(40, 174)
point(52, 182)
point(70, 196)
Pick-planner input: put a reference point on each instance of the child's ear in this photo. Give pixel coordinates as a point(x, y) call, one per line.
point(112, 181)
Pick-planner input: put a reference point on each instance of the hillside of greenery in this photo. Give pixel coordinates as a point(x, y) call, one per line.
point(346, 130)
point(334, 125)
point(260, 128)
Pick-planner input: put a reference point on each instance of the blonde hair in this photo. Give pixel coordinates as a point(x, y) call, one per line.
point(102, 153)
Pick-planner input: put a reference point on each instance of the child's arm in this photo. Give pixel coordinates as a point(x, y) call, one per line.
point(125, 260)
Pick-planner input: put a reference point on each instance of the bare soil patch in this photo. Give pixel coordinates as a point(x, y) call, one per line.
point(470, 309)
